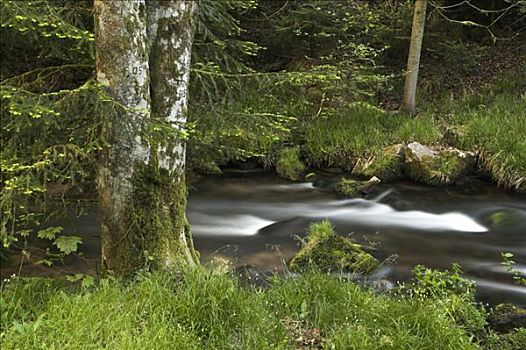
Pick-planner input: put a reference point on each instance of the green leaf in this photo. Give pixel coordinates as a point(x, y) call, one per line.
point(49, 233)
point(507, 255)
point(67, 244)
point(87, 281)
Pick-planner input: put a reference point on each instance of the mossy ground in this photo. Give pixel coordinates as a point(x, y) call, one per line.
point(385, 164)
point(289, 166)
point(206, 309)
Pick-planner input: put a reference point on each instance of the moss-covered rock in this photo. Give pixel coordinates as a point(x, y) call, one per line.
point(386, 164)
point(289, 166)
point(436, 167)
point(327, 251)
point(507, 317)
point(353, 188)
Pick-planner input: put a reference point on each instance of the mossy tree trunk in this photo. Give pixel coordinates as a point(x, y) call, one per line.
point(413, 61)
point(171, 32)
point(142, 191)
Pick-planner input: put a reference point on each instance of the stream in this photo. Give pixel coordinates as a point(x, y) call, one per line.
point(260, 220)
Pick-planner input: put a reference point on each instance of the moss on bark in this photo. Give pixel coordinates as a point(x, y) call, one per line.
point(154, 232)
point(142, 190)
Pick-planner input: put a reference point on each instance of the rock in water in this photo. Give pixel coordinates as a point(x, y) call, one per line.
point(327, 251)
point(437, 167)
point(353, 188)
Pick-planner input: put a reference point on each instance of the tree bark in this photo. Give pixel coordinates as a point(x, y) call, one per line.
point(413, 61)
point(171, 27)
point(142, 192)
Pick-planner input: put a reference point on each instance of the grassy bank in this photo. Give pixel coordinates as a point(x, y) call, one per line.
point(490, 121)
point(493, 126)
point(200, 309)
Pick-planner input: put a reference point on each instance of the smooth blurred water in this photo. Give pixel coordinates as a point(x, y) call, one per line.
point(259, 219)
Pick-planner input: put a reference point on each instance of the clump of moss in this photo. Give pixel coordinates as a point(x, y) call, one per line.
point(385, 164)
point(327, 251)
point(353, 188)
point(289, 165)
point(506, 317)
point(348, 187)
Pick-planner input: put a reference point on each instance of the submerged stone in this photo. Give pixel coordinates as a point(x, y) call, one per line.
point(386, 164)
point(289, 166)
point(327, 251)
point(437, 167)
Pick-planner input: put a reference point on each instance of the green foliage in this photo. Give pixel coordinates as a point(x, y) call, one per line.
point(321, 230)
point(514, 340)
point(67, 244)
point(451, 289)
point(23, 299)
point(497, 128)
point(509, 264)
point(48, 130)
point(423, 130)
point(430, 283)
point(198, 309)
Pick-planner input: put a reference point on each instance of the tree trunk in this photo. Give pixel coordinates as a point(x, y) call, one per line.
point(171, 32)
point(142, 193)
point(413, 61)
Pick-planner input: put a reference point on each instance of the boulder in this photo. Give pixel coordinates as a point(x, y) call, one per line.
point(289, 165)
point(327, 251)
point(353, 188)
point(436, 167)
point(386, 164)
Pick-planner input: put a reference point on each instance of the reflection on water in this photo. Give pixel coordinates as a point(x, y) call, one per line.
point(259, 220)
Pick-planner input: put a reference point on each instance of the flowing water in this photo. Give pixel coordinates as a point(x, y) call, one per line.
point(260, 220)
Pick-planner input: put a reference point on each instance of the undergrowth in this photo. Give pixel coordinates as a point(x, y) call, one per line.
point(203, 309)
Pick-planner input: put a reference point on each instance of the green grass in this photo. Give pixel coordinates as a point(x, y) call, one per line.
point(492, 122)
point(339, 139)
point(498, 130)
point(200, 309)
point(289, 165)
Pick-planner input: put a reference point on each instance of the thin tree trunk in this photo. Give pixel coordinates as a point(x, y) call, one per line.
point(171, 33)
point(142, 192)
point(413, 61)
